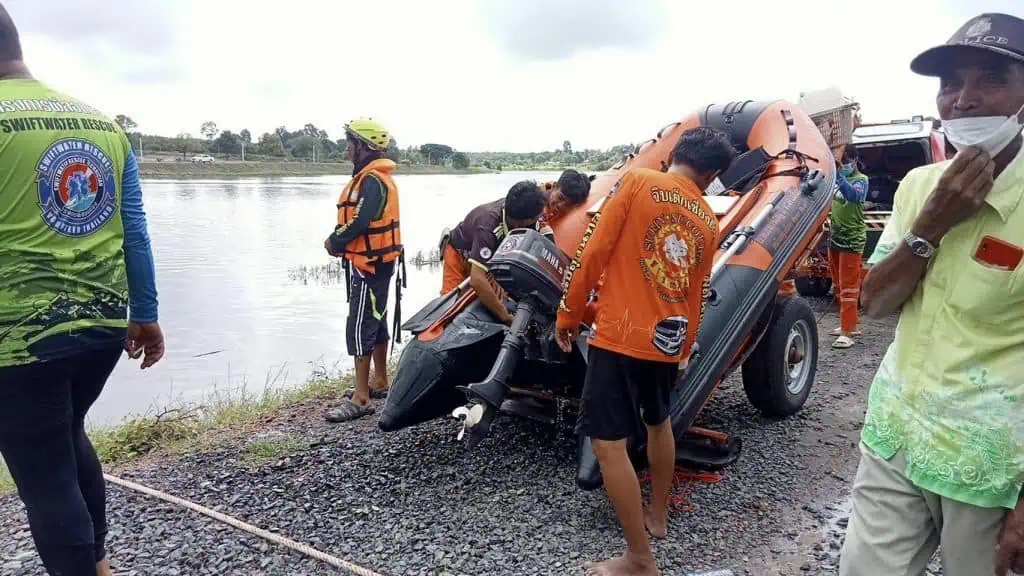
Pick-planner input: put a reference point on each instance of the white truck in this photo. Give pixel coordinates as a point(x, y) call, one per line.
point(887, 152)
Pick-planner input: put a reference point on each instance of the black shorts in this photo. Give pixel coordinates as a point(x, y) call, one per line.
point(622, 394)
point(367, 325)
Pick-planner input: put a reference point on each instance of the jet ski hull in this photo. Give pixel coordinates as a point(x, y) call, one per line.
point(430, 370)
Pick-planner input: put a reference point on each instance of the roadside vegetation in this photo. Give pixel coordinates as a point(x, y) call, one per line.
point(188, 427)
point(312, 145)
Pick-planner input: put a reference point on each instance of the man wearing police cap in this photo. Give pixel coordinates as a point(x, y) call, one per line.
point(942, 447)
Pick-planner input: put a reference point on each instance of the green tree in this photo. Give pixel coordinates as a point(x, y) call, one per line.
point(436, 153)
point(245, 135)
point(329, 148)
point(228, 143)
point(302, 146)
point(460, 161)
point(313, 131)
point(270, 144)
point(209, 130)
point(394, 153)
point(126, 123)
point(183, 143)
point(567, 147)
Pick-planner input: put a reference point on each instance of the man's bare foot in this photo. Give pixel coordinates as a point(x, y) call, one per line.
point(378, 384)
point(658, 527)
point(103, 568)
point(625, 565)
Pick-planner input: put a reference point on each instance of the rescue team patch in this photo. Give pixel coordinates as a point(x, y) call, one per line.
point(77, 189)
point(670, 334)
point(672, 246)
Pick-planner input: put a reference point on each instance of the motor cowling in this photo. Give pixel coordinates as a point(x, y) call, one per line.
point(527, 264)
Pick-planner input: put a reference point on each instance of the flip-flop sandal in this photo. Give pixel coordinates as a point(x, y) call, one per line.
point(843, 342)
point(349, 411)
point(375, 394)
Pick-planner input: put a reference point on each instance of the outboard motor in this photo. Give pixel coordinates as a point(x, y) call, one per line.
point(530, 268)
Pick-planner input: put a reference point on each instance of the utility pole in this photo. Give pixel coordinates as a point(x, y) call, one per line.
point(243, 150)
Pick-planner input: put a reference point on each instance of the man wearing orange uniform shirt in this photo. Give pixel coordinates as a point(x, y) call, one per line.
point(654, 241)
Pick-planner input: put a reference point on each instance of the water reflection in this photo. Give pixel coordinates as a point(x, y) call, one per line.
point(247, 294)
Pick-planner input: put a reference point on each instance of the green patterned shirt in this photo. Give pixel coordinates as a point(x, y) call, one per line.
point(948, 391)
point(63, 281)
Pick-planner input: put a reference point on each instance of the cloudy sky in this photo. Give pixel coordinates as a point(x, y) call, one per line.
point(515, 75)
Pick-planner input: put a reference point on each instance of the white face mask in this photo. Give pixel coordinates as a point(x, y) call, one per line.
point(990, 133)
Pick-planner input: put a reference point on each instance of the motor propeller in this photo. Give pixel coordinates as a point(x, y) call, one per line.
point(470, 417)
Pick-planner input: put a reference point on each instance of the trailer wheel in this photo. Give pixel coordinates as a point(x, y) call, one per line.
point(813, 287)
point(778, 375)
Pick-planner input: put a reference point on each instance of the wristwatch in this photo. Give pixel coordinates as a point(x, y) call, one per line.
point(919, 246)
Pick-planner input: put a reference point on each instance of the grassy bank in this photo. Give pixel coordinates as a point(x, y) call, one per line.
point(194, 426)
point(6, 484)
point(231, 169)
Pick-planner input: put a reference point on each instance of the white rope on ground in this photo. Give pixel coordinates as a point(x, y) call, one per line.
point(276, 538)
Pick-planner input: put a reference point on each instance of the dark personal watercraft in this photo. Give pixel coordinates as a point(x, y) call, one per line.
point(463, 362)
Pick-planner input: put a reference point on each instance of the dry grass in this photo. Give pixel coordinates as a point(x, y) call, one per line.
point(6, 484)
point(182, 428)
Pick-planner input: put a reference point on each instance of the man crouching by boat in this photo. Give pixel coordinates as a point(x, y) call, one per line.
point(656, 266)
point(369, 238)
point(468, 248)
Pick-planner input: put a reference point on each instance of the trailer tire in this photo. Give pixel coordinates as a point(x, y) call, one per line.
point(812, 286)
point(778, 375)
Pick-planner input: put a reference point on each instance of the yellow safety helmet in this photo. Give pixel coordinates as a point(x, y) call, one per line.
point(370, 132)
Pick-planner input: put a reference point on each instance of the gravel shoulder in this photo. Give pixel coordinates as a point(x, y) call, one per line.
point(416, 502)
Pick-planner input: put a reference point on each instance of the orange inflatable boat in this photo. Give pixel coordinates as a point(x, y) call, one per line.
point(770, 204)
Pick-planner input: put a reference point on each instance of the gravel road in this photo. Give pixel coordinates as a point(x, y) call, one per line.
point(416, 502)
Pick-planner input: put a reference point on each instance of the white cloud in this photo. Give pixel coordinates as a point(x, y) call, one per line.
point(545, 30)
point(475, 74)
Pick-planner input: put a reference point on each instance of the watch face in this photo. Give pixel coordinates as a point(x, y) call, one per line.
point(919, 246)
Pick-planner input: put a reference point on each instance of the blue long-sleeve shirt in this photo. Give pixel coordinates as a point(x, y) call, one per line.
point(857, 192)
point(138, 254)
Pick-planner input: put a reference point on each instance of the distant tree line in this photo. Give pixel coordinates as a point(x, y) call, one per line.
point(312, 144)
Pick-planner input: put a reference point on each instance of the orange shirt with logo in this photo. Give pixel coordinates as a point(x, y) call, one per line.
point(654, 240)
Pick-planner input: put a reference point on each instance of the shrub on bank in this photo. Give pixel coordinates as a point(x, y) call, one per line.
point(183, 427)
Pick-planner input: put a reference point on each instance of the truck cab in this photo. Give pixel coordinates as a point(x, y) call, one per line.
point(887, 152)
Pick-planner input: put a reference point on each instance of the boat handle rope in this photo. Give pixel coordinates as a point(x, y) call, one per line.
point(275, 538)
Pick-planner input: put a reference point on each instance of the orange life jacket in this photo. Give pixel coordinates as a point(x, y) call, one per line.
point(382, 241)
